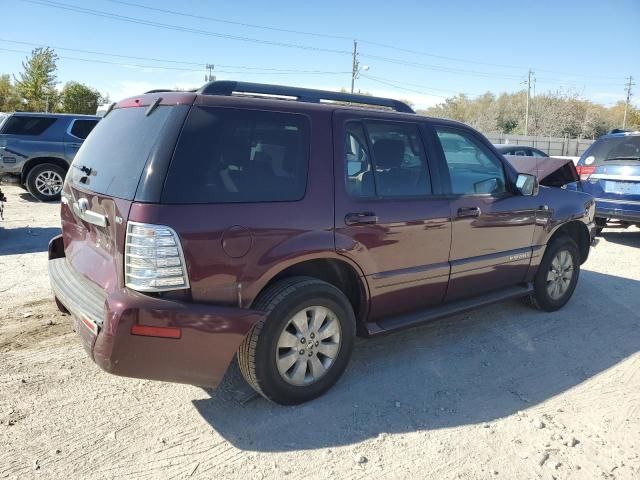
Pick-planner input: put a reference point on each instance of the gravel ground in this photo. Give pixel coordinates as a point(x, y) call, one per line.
point(501, 392)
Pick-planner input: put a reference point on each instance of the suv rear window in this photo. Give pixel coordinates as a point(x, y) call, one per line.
point(117, 151)
point(613, 149)
point(82, 128)
point(27, 125)
point(229, 155)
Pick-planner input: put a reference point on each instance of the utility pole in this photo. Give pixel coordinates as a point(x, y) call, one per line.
point(354, 65)
point(626, 105)
point(526, 114)
point(209, 77)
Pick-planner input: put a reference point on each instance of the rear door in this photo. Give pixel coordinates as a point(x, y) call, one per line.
point(492, 228)
point(389, 219)
point(78, 130)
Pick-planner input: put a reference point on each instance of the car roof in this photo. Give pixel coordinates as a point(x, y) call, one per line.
point(509, 146)
point(621, 134)
point(55, 115)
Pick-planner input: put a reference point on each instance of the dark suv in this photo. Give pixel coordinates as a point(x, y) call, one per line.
point(37, 148)
point(278, 223)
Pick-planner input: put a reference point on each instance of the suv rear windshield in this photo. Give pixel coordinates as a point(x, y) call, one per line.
point(26, 125)
point(613, 149)
point(227, 155)
point(117, 150)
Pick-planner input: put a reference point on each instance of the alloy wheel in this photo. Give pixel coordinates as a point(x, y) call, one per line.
point(49, 183)
point(560, 275)
point(308, 345)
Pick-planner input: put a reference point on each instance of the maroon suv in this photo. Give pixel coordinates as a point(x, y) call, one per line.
point(278, 223)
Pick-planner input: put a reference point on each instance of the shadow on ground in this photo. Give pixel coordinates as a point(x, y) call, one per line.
point(629, 238)
point(469, 369)
point(25, 239)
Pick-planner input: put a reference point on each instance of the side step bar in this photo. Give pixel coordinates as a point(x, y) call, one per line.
point(430, 314)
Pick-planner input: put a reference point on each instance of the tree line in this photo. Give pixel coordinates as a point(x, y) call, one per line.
point(35, 88)
point(553, 114)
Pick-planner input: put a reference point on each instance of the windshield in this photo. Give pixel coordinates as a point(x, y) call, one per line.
point(613, 149)
point(113, 157)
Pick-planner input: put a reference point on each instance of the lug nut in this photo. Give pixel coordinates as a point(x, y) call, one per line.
point(313, 335)
point(301, 352)
point(302, 340)
point(310, 354)
point(317, 344)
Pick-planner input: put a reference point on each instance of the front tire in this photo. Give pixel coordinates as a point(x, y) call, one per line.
point(557, 275)
point(302, 345)
point(44, 182)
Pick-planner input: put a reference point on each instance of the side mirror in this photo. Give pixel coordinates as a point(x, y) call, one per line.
point(527, 185)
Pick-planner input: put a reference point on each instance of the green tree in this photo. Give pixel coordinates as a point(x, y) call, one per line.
point(37, 83)
point(9, 98)
point(79, 98)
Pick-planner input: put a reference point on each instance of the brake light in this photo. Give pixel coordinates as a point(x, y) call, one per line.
point(153, 258)
point(585, 171)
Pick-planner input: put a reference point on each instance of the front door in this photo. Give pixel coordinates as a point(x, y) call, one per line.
point(492, 226)
point(387, 218)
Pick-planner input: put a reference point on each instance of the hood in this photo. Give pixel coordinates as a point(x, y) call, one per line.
point(550, 171)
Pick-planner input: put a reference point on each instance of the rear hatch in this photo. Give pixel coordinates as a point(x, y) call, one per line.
point(123, 159)
point(610, 169)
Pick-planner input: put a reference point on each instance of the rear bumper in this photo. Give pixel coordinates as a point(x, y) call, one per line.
point(618, 210)
point(209, 335)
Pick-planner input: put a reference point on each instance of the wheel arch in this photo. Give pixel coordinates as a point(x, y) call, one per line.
point(338, 272)
point(579, 233)
point(34, 162)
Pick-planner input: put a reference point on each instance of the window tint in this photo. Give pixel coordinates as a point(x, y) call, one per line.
point(623, 149)
point(228, 155)
point(82, 128)
point(358, 162)
point(117, 151)
point(473, 168)
point(397, 154)
point(538, 153)
point(27, 125)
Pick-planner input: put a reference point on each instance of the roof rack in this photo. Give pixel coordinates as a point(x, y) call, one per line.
point(163, 90)
point(228, 88)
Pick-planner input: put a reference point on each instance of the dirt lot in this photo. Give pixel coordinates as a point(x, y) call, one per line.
point(502, 392)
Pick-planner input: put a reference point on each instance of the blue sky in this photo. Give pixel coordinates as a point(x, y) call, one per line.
point(441, 47)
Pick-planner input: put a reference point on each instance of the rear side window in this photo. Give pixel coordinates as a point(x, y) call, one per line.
point(27, 125)
point(82, 128)
point(117, 151)
point(230, 155)
point(385, 159)
point(624, 149)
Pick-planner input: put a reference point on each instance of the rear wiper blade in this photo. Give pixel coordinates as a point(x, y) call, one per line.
point(623, 158)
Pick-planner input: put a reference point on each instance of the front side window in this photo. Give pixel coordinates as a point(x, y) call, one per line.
point(82, 128)
point(27, 125)
point(473, 169)
point(229, 155)
point(385, 159)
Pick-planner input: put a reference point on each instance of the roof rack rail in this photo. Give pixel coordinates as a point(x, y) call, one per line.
point(163, 90)
point(228, 88)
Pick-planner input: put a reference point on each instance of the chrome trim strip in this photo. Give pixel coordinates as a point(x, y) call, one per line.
point(622, 178)
point(616, 201)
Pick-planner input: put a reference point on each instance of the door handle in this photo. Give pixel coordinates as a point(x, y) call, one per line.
point(469, 212)
point(361, 218)
point(75, 145)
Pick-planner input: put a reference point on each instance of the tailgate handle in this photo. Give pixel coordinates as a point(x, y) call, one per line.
point(89, 216)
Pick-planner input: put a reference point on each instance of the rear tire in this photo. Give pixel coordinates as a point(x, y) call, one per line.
point(302, 345)
point(44, 182)
point(557, 275)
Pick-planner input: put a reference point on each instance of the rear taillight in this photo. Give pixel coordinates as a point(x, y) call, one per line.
point(153, 259)
point(585, 171)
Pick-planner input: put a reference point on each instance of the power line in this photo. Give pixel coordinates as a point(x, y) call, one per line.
point(161, 67)
point(181, 62)
point(343, 37)
point(390, 84)
point(178, 28)
point(422, 87)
